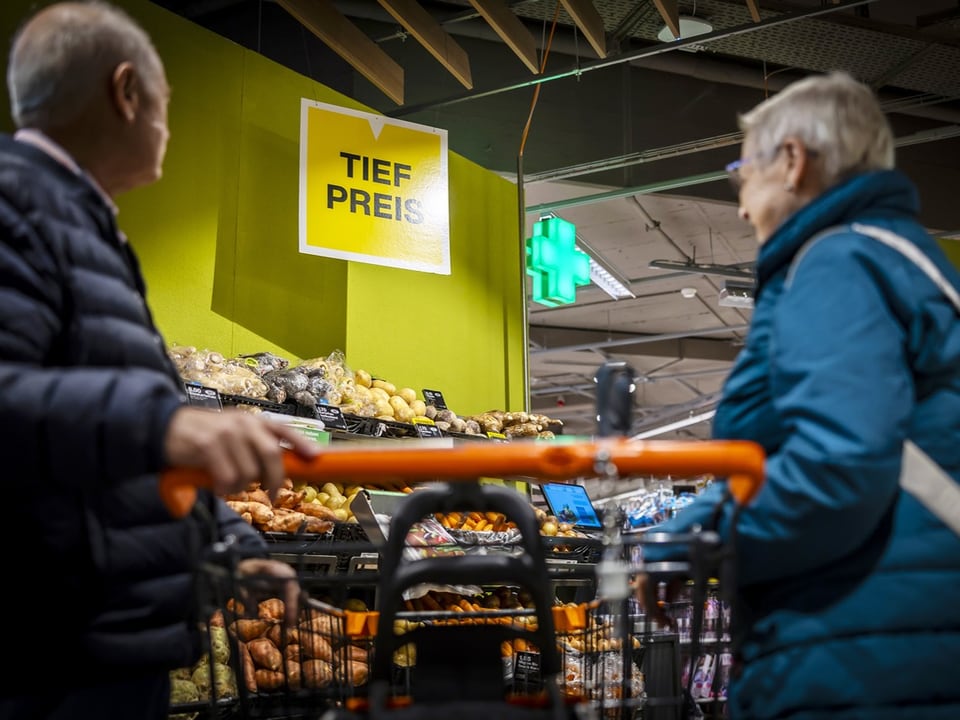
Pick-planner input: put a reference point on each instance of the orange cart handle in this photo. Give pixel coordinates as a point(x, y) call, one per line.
point(742, 462)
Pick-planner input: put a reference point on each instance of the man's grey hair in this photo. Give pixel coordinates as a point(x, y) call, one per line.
point(65, 55)
point(836, 116)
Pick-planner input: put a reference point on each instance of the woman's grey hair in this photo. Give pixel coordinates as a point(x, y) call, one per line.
point(66, 54)
point(836, 116)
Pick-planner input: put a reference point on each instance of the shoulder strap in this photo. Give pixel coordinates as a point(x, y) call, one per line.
point(914, 255)
point(897, 242)
point(920, 476)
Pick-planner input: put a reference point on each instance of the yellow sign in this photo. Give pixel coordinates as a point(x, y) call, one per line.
point(373, 189)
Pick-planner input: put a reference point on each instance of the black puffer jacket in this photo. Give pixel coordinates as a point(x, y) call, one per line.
point(87, 392)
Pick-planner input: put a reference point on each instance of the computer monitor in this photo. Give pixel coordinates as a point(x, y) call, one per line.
point(571, 504)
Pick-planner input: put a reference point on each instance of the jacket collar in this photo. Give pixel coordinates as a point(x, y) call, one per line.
point(38, 139)
point(873, 195)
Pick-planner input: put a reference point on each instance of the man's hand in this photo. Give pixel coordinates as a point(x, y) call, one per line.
point(234, 447)
point(265, 578)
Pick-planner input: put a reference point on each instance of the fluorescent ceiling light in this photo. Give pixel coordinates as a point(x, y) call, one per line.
point(679, 424)
point(606, 281)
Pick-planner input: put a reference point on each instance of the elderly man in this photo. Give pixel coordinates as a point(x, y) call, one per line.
point(92, 409)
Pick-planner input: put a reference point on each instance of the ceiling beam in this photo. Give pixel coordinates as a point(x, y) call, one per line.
point(349, 42)
point(511, 30)
point(587, 18)
point(659, 48)
point(754, 6)
point(428, 32)
point(670, 12)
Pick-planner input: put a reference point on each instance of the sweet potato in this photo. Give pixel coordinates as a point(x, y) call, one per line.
point(271, 609)
point(265, 654)
point(247, 629)
point(268, 680)
point(316, 673)
point(314, 646)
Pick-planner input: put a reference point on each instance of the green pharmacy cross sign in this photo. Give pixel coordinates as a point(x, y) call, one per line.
point(555, 263)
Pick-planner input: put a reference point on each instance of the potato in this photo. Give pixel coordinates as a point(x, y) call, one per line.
point(419, 407)
point(379, 395)
point(408, 394)
point(331, 490)
point(389, 387)
point(341, 514)
point(362, 378)
point(406, 656)
point(309, 493)
point(404, 414)
point(430, 412)
point(384, 410)
point(397, 402)
point(445, 415)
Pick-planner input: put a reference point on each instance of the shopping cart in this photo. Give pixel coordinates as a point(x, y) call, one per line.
point(587, 655)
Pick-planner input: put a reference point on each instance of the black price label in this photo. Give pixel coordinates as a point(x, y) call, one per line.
point(526, 667)
point(435, 398)
point(332, 416)
point(203, 396)
point(426, 428)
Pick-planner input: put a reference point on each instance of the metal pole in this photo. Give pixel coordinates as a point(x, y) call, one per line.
point(641, 339)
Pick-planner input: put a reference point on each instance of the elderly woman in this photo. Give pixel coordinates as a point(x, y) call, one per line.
point(848, 585)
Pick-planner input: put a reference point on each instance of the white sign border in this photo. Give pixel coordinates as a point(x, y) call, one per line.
point(441, 268)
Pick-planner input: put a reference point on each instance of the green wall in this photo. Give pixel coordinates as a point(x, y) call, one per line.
point(217, 237)
point(952, 249)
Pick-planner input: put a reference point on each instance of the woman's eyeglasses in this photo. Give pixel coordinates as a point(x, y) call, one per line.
point(733, 169)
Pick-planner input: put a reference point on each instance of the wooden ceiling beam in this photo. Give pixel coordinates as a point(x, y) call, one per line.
point(513, 32)
point(670, 12)
point(587, 18)
point(428, 32)
point(754, 6)
point(349, 42)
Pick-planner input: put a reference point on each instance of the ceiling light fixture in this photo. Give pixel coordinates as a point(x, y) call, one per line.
point(728, 271)
point(735, 294)
point(689, 27)
point(688, 292)
point(678, 425)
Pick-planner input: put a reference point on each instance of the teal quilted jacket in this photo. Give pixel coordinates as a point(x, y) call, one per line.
point(848, 588)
